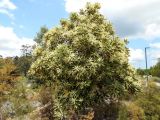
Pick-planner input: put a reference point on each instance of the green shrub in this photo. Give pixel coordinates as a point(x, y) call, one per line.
point(149, 101)
point(130, 111)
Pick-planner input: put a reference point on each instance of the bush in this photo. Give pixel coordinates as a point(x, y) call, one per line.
point(86, 60)
point(131, 111)
point(149, 101)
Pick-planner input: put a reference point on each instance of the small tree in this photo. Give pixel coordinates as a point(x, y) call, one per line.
point(39, 38)
point(24, 61)
point(155, 70)
point(85, 61)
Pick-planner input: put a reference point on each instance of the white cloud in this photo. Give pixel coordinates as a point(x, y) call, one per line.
point(3, 11)
point(155, 54)
point(152, 30)
point(136, 55)
point(10, 43)
point(155, 45)
point(131, 18)
point(6, 6)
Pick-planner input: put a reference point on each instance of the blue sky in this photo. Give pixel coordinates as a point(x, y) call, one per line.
point(138, 21)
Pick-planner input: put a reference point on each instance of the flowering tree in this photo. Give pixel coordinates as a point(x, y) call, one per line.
point(84, 60)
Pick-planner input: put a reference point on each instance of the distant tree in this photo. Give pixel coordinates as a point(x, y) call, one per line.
point(1, 62)
point(155, 70)
point(26, 50)
point(24, 61)
point(140, 71)
point(40, 42)
point(15, 60)
point(39, 38)
point(85, 62)
point(143, 71)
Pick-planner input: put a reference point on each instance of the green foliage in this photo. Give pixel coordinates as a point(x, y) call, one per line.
point(143, 71)
point(8, 75)
point(23, 62)
point(19, 98)
point(106, 111)
point(18, 102)
point(46, 99)
point(39, 38)
point(8, 79)
point(155, 70)
point(156, 79)
point(40, 42)
point(144, 106)
point(130, 111)
point(85, 59)
point(149, 101)
point(82, 72)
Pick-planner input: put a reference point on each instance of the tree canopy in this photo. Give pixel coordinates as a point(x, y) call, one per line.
point(155, 70)
point(40, 35)
point(24, 61)
point(84, 60)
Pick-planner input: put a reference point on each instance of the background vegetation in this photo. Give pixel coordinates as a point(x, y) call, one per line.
point(77, 71)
